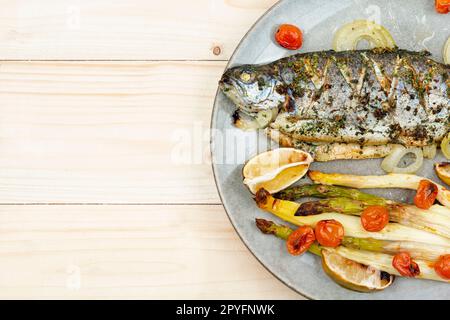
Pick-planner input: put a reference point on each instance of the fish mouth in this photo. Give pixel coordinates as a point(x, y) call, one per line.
point(224, 80)
point(227, 81)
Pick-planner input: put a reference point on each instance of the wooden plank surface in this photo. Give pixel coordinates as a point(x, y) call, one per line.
point(125, 30)
point(172, 251)
point(106, 132)
point(105, 116)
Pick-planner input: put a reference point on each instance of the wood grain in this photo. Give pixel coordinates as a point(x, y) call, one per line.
point(126, 30)
point(118, 132)
point(185, 252)
point(109, 132)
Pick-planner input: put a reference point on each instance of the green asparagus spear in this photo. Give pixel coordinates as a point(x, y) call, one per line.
point(341, 205)
point(324, 191)
point(282, 232)
point(417, 250)
point(270, 227)
point(429, 220)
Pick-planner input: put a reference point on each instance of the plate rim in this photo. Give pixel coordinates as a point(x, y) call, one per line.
point(213, 164)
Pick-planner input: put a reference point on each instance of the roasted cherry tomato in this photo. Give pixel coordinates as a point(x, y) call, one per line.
point(329, 233)
point(426, 194)
point(289, 36)
point(300, 240)
point(442, 6)
point(403, 263)
point(374, 218)
point(442, 266)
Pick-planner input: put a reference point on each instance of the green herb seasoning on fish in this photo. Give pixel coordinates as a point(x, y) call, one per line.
point(355, 104)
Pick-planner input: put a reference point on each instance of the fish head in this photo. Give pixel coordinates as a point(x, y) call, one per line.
point(252, 88)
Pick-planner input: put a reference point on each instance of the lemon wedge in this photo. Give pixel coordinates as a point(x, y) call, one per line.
point(445, 146)
point(275, 170)
point(443, 171)
point(353, 275)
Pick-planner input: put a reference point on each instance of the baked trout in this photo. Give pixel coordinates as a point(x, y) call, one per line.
point(344, 105)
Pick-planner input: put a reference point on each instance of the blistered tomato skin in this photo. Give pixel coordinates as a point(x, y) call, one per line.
point(426, 194)
point(442, 6)
point(300, 240)
point(403, 263)
point(442, 266)
point(374, 218)
point(329, 233)
point(289, 36)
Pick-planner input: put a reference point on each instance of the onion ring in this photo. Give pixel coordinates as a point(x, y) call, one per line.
point(350, 34)
point(391, 162)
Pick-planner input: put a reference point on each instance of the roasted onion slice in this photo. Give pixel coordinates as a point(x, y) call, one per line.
point(349, 35)
point(446, 52)
point(445, 146)
point(391, 162)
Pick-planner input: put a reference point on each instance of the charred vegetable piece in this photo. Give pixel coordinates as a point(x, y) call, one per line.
point(405, 265)
point(300, 240)
point(327, 191)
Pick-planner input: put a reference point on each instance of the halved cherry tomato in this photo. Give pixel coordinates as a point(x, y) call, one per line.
point(426, 194)
point(300, 240)
point(442, 6)
point(405, 265)
point(289, 36)
point(374, 218)
point(329, 233)
point(442, 266)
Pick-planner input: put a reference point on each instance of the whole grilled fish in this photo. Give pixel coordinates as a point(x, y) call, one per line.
point(344, 105)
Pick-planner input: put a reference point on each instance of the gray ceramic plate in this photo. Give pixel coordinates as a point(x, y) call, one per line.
point(415, 26)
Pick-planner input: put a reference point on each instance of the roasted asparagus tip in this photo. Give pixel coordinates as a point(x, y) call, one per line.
point(269, 227)
point(265, 226)
point(261, 197)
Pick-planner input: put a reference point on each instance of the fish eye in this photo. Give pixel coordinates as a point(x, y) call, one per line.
point(247, 76)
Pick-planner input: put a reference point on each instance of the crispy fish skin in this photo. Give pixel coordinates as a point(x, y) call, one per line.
point(363, 97)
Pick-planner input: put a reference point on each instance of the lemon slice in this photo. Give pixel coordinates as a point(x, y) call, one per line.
point(275, 170)
point(443, 171)
point(353, 275)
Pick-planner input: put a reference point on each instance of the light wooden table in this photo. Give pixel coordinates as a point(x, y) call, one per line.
point(99, 196)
